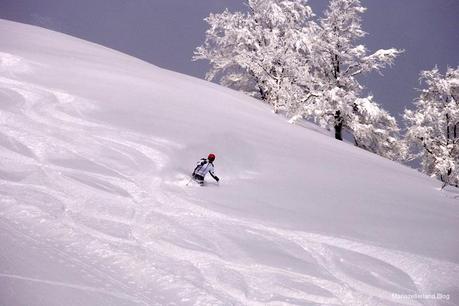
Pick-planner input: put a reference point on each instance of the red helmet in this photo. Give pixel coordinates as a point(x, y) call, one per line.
point(211, 157)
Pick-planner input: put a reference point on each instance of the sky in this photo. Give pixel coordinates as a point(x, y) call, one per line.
point(166, 32)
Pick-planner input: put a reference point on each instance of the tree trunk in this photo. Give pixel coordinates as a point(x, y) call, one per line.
point(338, 125)
point(338, 131)
point(447, 128)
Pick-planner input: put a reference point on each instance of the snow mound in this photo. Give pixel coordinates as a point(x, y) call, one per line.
point(96, 148)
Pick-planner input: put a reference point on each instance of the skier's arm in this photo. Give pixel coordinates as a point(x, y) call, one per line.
point(214, 176)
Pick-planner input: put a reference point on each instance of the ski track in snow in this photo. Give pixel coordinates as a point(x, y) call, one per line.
point(149, 240)
point(61, 284)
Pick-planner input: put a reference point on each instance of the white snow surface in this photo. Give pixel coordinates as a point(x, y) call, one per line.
point(96, 148)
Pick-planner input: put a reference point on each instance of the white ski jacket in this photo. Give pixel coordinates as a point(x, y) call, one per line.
point(204, 167)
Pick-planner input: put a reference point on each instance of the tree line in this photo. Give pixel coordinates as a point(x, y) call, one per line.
point(309, 68)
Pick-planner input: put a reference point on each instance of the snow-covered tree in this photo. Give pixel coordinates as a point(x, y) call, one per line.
point(375, 130)
point(433, 126)
point(338, 61)
point(276, 52)
point(263, 52)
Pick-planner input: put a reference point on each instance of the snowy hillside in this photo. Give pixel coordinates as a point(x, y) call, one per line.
point(95, 152)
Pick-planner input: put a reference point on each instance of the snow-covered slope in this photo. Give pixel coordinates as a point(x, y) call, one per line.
point(96, 148)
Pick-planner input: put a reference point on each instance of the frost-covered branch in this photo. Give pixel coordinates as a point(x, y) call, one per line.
point(432, 126)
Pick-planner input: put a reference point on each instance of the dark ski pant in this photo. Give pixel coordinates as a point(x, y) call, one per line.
point(198, 178)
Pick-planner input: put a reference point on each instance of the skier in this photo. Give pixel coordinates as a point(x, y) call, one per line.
point(205, 165)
